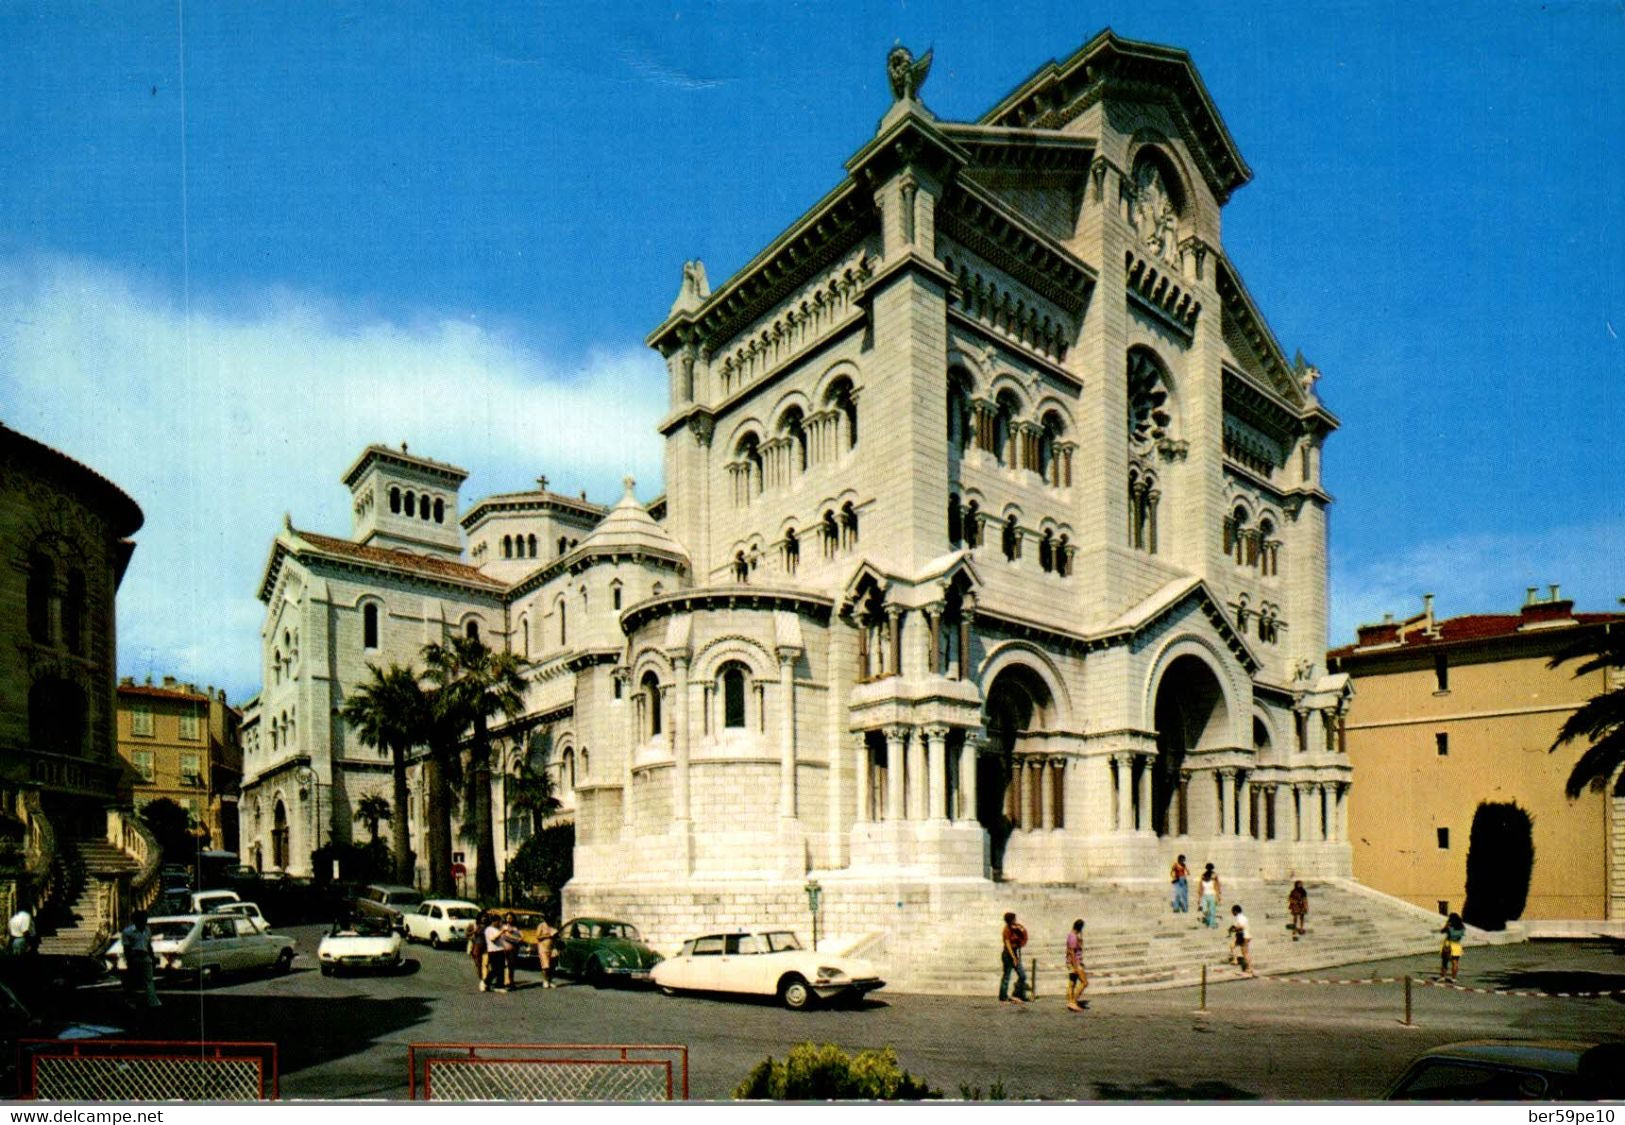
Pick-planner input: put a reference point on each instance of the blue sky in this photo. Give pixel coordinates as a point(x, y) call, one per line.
point(240, 240)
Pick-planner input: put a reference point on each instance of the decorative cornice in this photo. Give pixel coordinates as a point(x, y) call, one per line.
point(588, 554)
point(531, 502)
point(991, 230)
point(1159, 294)
point(816, 606)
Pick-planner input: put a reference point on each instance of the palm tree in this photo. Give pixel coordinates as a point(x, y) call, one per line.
point(473, 683)
point(1601, 720)
point(531, 788)
point(372, 811)
point(390, 712)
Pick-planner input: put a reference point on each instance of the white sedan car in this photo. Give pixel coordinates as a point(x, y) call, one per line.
point(440, 921)
point(210, 944)
point(362, 942)
point(764, 963)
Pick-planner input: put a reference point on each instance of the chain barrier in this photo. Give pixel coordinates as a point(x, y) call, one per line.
point(1453, 986)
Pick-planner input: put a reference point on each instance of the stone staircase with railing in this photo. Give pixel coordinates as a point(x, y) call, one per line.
point(77, 923)
point(1133, 941)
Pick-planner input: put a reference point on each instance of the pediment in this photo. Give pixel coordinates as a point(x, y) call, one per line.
point(1182, 596)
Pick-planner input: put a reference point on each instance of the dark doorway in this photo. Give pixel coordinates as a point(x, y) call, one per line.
point(1190, 713)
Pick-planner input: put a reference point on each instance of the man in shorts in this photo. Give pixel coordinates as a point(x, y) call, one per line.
point(1076, 979)
point(1241, 939)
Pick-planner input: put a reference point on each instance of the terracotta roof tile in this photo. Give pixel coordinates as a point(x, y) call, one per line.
point(1469, 627)
point(405, 560)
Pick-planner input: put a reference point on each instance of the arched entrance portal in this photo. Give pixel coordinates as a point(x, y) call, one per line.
point(279, 836)
point(1019, 706)
point(1190, 713)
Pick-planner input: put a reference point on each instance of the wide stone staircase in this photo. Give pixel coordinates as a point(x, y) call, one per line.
point(76, 924)
point(1132, 940)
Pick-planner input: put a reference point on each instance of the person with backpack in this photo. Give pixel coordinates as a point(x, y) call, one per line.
point(1014, 939)
point(1455, 932)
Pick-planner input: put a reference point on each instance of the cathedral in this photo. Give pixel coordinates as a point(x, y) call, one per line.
point(992, 551)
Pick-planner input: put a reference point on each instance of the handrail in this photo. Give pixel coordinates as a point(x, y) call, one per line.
point(41, 853)
point(127, 832)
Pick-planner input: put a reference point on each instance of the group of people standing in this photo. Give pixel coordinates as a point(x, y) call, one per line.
point(1210, 893)
point(494, 942)
point(1013, 940)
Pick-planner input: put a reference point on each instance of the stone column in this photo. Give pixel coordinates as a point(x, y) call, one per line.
point(629, 720)
point(860, 756)
point(894, 629)
point(896, 742)
point(1146, 762)
point(1300, 799)
point(1046, 794)
point(1342, 811)
point(933, 626)
point(679, 738)
point(1226, 801)
point(967, 775)
point(1023, 794)
point(936, 743)
point(967, 611)
point(916, 775)
point(787, 733)
point(1244, 804)
point(1124, 764)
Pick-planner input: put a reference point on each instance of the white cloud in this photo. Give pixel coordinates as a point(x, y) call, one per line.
point(1477, 573)
point(218, 422)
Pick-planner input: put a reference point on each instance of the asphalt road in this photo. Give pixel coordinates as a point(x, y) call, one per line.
point(346, 1037)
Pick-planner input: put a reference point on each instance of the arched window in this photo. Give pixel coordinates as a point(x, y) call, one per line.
point(567, 771)
point(41, 589)
point(651, 701)
point(1237, 535)
point(1053, 465)
point(1004, 421)
point(369, 625)
point(1011, 539)
point(748, 455)
point(959, 411)
point(56, 716)
point(741, 567)
point(411, 501)
point(439, 510)
point(849, 525)
point(395, 501)
point(792, 551)
point(530, 544)
point(733, 695)
point(973, 524)
point(831, 532)
point(956, 520)
point(564, 544)
point(841, 396)
point(615, 594)
point(524, 636)
point(73, 613)
point(1268, 548)
point(1046, 551)
point(472, 630)
point(424, 505)
point(793, 426)
point(507, 546)
point(1063, 557)
point(564, 613)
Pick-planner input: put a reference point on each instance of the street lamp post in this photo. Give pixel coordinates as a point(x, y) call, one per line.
point(814, 892)
point(309, 778)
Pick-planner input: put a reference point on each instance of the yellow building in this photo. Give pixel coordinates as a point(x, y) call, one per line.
point(1450, 714)
point(184, 744)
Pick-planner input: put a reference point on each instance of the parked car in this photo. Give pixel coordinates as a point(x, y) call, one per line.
point(441, 921)
point(362, 942)
point(388, 901)
point(764, 963)
point(601, 950)
point(207, 945)
point(529, 924)
point(1506, 1070)
point(175, 877)
point(243, 910)
point(18, 1021)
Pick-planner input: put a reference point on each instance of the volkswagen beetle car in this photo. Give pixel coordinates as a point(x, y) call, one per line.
point(360, 942)
point(602, 950)
point(764, 963)
point(440, 921)
point(210, 944)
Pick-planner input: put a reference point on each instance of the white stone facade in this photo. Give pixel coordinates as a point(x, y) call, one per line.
point(993, 545)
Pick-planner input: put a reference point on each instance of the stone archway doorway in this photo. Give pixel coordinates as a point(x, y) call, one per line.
point(279, 836)
point(1018, 707)
point(1190, 712)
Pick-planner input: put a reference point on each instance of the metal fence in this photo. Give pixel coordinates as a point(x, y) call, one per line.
point(100, 1070)
point(562, 1072)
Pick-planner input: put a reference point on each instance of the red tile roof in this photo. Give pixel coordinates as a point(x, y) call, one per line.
point(1469, 627)
point(156, 692)
point(431, 565)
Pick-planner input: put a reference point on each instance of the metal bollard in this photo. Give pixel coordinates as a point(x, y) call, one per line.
point(1202, 1007)
point(1032, 982)
point(1407, 1000)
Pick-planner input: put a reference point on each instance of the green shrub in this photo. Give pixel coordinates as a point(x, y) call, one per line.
point(1500, 862)
point(814, 1072)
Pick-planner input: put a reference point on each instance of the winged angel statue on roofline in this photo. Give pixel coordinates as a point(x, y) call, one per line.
point(907, 76)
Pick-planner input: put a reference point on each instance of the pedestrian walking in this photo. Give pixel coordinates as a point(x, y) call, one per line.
point(496, 954)
point(1211, 896)
point(140, 981)
point(21, 930)
point(1076, 978)
point(512, 939)
point(1455, 932)
point(1297, 905)
point(1241, 939)
point(1181, 877)
point(476, 947)
point(544, 951)
point(1014, 939)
